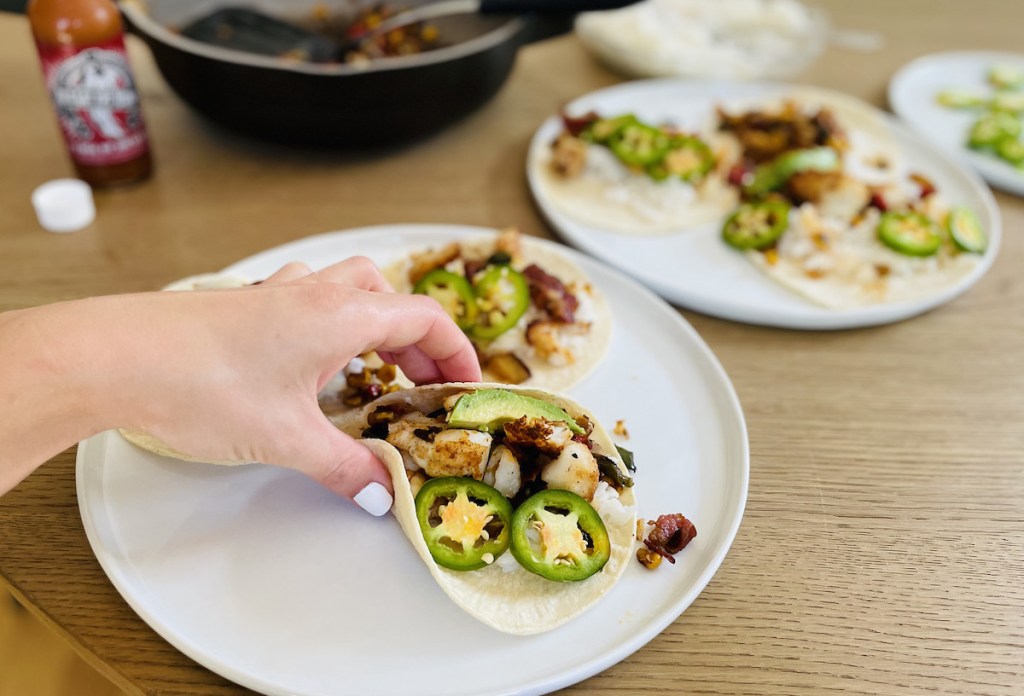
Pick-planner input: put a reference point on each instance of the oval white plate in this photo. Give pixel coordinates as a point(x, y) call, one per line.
point(693, 267)
point(269, 580)
point(912, 93)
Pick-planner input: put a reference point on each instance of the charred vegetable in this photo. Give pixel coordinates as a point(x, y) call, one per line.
point(507, 368)
point(609, 468)
point(627, 458)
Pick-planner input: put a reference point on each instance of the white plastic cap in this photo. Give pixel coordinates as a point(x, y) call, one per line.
point(64, 205)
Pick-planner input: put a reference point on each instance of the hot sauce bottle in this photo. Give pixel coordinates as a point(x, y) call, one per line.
point(81, 47)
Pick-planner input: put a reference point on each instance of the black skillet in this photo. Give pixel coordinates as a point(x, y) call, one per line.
point(392, 102)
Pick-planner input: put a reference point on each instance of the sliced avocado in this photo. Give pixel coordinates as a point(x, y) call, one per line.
point(489, 409)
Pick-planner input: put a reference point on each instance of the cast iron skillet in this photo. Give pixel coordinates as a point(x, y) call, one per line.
point(392, 102)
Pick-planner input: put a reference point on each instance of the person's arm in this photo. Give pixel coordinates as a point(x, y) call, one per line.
point(51, 387)
point(225, 374)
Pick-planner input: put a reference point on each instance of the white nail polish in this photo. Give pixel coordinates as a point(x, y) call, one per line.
point(375, 499)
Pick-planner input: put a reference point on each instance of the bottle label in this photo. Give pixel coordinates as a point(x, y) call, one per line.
point(97, 105)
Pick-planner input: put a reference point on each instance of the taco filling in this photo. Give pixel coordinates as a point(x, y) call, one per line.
point(494, 471)
point(532, 316)
point(617, 172)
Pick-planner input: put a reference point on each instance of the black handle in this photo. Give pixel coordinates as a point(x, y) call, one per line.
point(549, 6)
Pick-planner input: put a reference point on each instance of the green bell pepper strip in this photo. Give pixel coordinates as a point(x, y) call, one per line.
point(639, 145)
point(773, 175)
point(965, 230)
point(453, 292)
point(756, 225)
point(912, 234)
point(502, 298)
point(687, 157)
point(559, 536)
point(465, 523)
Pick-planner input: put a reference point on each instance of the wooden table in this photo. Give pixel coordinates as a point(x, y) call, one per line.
point(883, 546)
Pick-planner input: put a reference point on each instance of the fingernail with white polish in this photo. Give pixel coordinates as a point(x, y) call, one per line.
point(375, 499)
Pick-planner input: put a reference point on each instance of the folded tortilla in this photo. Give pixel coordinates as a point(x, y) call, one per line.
point(504, 595)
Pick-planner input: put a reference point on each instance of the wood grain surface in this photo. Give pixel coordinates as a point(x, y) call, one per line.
point(882, 551)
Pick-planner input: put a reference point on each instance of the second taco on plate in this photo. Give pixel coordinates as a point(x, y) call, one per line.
point(532, 314)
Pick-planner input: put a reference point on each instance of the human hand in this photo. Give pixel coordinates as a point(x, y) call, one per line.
point(234, 374)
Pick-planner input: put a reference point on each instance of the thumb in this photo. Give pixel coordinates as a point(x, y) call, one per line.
point(343, 465)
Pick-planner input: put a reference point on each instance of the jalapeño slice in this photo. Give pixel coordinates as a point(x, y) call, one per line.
point(912, 234)
point(465, 522)
point(502, 298)
point(559, 536)
point(756, 225)
point(992, 128)
point(639, 145)
point(687, 157)
point(453, 292)
point(966, 231)
point(602, 130)
point(1011, 150)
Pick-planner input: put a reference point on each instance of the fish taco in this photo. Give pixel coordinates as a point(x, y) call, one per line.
point(516, 499)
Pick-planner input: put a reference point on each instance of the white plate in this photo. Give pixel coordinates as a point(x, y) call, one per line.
point(266, 578)
point(912, 93)
point(693, 267)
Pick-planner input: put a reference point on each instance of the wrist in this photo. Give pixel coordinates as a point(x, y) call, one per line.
point(47, 397)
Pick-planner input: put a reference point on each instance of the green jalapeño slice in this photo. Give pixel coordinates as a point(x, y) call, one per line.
point(966, 231)
point(558, 536)
point(465, 522)
point(603, 129)
point(687, 158)
point(453, 292)
point(756, 225)
point(639, 145)
point(502, 298)
point(912, 234)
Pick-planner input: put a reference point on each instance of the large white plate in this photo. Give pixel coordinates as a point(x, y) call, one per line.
point(912, 93)
point(693, 267)
point(264, 577)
